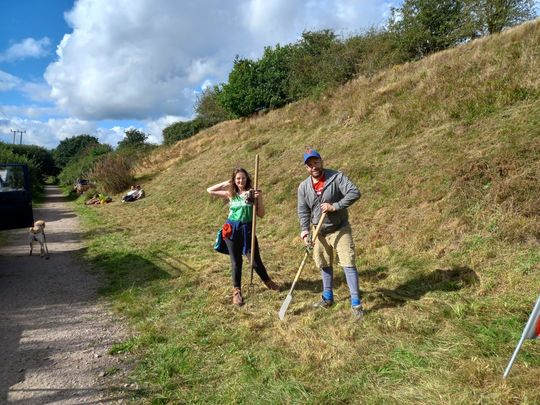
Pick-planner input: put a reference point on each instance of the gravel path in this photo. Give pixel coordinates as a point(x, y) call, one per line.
point(54, 332)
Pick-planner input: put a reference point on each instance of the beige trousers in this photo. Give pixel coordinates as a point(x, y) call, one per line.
point(340, 242)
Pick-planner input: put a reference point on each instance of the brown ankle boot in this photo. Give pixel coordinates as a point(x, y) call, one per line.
point(237, 297)
point(272, 286)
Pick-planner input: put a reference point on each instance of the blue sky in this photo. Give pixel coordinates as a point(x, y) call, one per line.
point(99, 67)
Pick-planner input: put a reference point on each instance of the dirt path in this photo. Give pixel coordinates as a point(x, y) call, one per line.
point(54, 332)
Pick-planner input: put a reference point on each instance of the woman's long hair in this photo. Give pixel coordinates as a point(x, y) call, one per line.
point(233, 188)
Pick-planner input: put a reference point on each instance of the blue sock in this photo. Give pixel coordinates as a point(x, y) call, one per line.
point(351, 274)
point(327, 274)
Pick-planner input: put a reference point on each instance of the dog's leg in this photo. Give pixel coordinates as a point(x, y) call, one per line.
point(31, 248)
point(46, 247)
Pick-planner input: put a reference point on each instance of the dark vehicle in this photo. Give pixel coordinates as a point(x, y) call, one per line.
point(15, 197)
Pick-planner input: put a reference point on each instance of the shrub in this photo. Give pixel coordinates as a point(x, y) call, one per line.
point(373, 51)
point(257, 85)
point(133, 138)
point(422, 27)
point(71, 148)
point(182, 130)
point(41, 156)
point(80, 167)
point(113, 173)
point(8, 156)
point(208, 109)
point(319, 61)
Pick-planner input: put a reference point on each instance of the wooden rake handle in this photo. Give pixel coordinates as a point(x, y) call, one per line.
point(317, 229)
point(254, 220)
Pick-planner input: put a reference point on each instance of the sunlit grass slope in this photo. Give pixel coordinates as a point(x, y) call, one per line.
point(446, 152)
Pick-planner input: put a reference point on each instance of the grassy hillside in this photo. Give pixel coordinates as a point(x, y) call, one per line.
point(446, 152)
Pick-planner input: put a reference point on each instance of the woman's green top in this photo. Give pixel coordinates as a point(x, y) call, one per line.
point(240, 209)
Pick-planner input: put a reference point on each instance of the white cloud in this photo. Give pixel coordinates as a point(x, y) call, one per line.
point(50, 132)
point(46, 133)
point(206, 84)
point(27, 48)
point(37, 91)
point(140, 59)
point(110, 136)
point(28, 111)
point(8, 81)
point(155, 128)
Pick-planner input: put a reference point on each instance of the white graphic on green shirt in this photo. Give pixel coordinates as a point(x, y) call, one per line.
point(240, 209)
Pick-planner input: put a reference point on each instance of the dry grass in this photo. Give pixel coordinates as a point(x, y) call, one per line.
point(446, 152)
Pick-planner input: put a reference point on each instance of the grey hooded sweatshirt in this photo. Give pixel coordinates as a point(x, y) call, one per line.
point(338, 190)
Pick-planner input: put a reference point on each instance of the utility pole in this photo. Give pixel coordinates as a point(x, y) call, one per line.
point(15, 132)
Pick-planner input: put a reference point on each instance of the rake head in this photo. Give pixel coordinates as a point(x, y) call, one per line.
point(284, 306)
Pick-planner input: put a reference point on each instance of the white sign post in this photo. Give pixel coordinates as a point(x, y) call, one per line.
point(531, 331)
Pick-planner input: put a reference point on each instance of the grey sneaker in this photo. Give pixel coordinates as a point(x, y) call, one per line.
point(357, 312)
point(324, 303)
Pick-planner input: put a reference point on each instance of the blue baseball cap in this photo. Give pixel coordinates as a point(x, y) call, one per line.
point(309, 153)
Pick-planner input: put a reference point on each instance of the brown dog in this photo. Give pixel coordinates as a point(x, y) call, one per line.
point(37, 234)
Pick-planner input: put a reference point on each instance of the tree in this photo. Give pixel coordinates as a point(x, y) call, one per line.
point(8, 155)
point(208, 109)
point(182, 130)
point(240, 95)
point(317, 43)
point(374, 50)
point(492, 16)
point(80, 166)
point(133, 138)
point(70, 148)
point(422, 27)
point(257, 85)
point(42, 157)
point(320, 60)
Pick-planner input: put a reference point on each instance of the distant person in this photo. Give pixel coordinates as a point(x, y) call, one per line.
point(135, 193)
point(329, 191)
point(236, 232)
point(99, 199)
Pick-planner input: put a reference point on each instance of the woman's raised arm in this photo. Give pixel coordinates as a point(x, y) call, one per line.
point(220, 189)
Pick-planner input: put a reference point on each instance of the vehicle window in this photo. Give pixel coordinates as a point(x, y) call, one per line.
point(15, 197)
point(11, 179)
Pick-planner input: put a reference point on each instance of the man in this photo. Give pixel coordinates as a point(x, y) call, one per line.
point(329, 191)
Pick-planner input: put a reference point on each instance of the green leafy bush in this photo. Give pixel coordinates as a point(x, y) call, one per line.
point(80, 167)
point(257, 85)
point(113, 173)
point(133, 138)
point(7, 155)
point(182, 130)
point(41, 156)
point(73, 147)
point(208, 109)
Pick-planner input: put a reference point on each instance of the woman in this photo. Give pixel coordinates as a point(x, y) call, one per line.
point(237, 230)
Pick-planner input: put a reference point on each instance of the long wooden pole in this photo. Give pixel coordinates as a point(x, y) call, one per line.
point(289, 297)
point(254, 220)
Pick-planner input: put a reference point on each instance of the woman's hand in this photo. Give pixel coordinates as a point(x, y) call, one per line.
point(257, 194)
